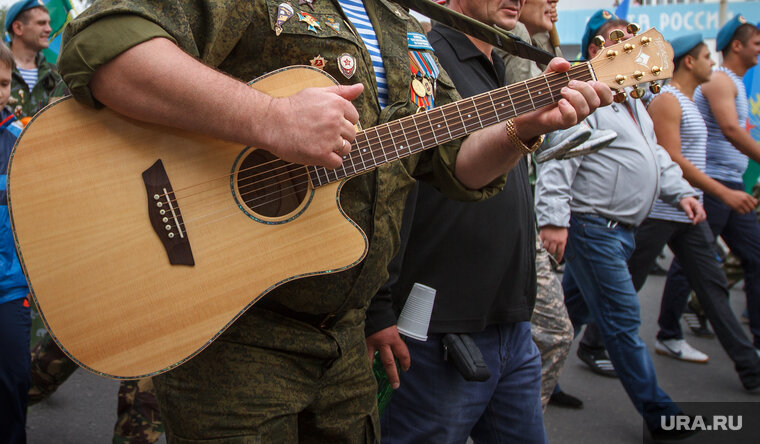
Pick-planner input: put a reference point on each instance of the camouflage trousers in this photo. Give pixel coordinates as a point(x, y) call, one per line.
point(272, 379)
point(551, 328)
point(138, 420)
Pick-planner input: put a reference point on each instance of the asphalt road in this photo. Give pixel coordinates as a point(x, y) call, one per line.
point(84, 408)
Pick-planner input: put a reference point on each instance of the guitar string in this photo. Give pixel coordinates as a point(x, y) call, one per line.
point(520, 101)
point(281, 195)
point(278, 191)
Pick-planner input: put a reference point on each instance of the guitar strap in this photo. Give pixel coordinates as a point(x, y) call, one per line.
point(489, 34)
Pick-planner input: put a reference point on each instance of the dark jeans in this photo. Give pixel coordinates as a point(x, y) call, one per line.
point(694, 246)
point(15, 323)
point(598, 286)
point(435, 404)
point(742, 235)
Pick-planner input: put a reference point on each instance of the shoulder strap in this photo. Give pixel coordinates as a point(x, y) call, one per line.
point(489, 34)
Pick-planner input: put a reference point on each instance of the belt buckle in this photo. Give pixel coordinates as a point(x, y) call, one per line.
point(612, 224)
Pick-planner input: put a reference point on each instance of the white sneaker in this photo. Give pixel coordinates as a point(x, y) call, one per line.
point(559, 142)
point(600, 138)
point(680, 349)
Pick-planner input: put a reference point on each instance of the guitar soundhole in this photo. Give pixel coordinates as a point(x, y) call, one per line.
point(269, 186)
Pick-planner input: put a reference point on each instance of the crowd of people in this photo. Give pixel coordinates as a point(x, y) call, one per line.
point(528, 230)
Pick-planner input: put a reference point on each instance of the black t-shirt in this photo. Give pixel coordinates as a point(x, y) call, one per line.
point(480, 257)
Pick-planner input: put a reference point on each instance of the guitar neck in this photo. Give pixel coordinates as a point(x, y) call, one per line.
point(409, 135)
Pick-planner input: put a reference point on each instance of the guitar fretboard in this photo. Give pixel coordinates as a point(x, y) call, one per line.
point(412, 134)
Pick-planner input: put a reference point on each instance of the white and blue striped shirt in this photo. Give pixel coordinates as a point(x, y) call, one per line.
point(30, 76)
point(724, 161)
point(693, 147)
point(356, 13)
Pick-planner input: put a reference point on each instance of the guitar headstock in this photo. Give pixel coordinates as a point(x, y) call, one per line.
point(646, 57)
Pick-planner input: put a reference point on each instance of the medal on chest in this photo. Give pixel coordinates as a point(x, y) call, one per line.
point(284, 13)
point(347, 64)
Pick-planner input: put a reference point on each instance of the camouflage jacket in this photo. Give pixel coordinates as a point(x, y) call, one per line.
point(25, 101)
point(238, 37)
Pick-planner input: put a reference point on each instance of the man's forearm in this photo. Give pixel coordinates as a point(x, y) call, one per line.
point(742, 141)
point(157, 82)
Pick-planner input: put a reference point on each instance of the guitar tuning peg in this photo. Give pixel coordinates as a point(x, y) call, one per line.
point(637, 93)
point(599, 41)
point(654, 87)
point(633, 28)
point(619, 96)
point(617, 35)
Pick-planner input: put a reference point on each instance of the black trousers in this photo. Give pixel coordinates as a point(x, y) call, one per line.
point(694, 247)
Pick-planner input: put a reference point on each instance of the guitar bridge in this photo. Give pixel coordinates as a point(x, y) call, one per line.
point(165, 216)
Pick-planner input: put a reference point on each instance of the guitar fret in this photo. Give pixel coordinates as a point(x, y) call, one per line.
point(312, 170)
point(445, 123)
point(380, 143)
point(401, 130)
point(432, 129)
point(417, 129)
point(361, 138)
point(546, 79)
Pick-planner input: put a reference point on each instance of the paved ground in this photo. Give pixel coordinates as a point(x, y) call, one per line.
point(83, 411)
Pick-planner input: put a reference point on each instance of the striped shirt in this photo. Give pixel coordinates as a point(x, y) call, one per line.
point(693, 147)
point(354, 10)
point(29, 76)
point(724, 161)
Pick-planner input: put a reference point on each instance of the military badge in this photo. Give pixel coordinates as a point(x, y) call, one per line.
point(284, 13)
point(312, 23)
point(347, 64)
point(425, 73)
point(332, 23)
point(318, 62)
point(308, 2)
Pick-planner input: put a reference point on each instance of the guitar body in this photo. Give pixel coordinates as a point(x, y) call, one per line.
point(89, 232)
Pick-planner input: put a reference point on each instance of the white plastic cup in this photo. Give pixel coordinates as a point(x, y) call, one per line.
point(415, 316)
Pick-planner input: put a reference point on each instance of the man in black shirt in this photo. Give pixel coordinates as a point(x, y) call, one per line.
point(481, 260)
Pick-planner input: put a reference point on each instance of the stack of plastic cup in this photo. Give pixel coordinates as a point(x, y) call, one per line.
point(415, 316)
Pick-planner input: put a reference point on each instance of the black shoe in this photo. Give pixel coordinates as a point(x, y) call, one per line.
point(675, 434)
point(562, 399)
point(697, 321)
point(751, 383)
point(597, 360)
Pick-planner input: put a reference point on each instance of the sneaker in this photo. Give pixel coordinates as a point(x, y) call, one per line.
point(697, 321)
point(597, 360)
point(599, 139)
point(562, 399)
point(559, 142)
point(680, 349)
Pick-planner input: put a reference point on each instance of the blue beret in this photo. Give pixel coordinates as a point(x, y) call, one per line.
point(596, 21)
point(726, 33)
point(19, 7)
point(682, 45)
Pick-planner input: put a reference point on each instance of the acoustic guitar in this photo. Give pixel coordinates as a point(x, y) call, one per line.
point(128, 231)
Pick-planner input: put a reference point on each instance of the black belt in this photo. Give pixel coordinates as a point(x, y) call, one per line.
point(324, 321)
point(611, 223)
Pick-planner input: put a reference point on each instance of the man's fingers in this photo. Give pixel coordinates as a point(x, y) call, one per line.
point(389, 364)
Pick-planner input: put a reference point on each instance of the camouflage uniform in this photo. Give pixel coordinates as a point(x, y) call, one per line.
point(138, 420)
point(25, 101)
point(550, 325)
point(270, 376)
